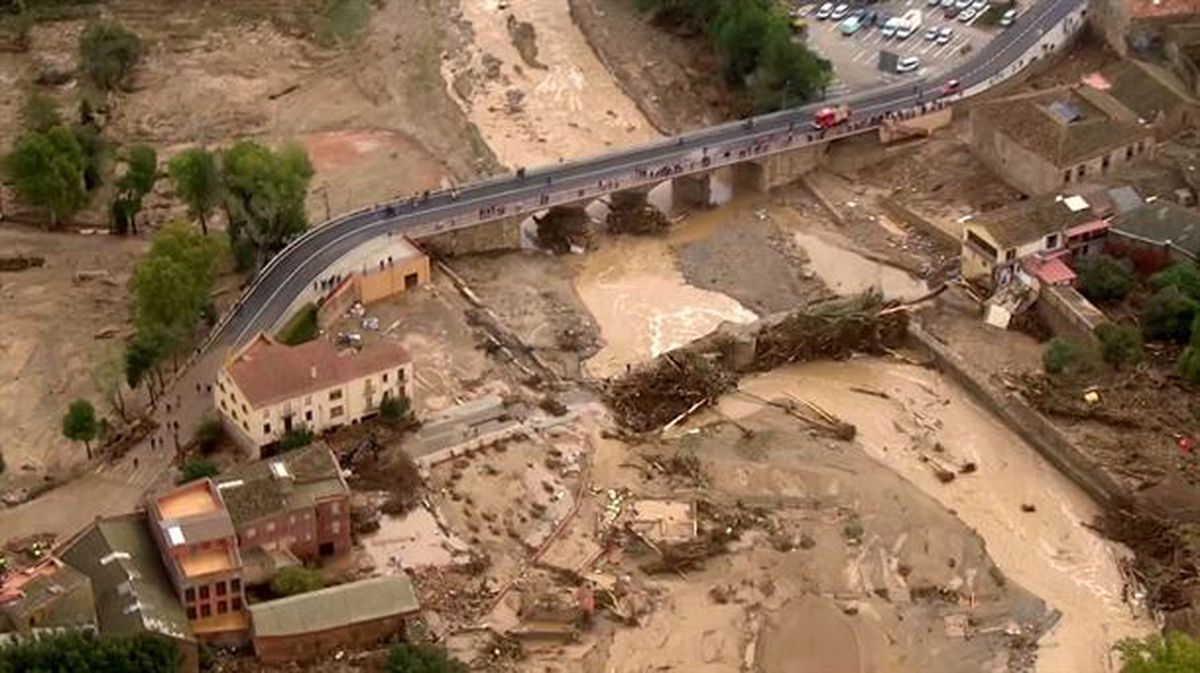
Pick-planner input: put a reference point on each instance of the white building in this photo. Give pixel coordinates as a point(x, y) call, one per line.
point(266, 388)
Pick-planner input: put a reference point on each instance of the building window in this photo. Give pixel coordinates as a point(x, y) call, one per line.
point(400, 374)
point(335, 527)
point(335, 507)
point(1010, 255)
point(307, 516)
point(1052, 241)
point(335, 395)
point(191, 612)
point(308, 537)
point(977, 241)
point(308, 415)
point(204, 592)
point(237, 604)
point(205, 610)
point(335, 411)
point(189, 595)
point(235, 585)
point(385, 377)
point(266, 428)
point(221, 588)
point(245, 410)
point(271, 527)
point(223, 407)
point(292, 519)
point(222, 607)
point(251, 532)
point(1128, 152)
point(266, 414)
point(235, 416)
point(221, 386)
point(1104, 164)
point(1081, 170)
point(245, 426)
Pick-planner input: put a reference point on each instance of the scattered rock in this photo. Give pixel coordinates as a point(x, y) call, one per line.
point(515, 99)
point(1026, 507)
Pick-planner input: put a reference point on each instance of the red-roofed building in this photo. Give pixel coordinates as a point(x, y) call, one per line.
point(267, 389)
point(1139, 25)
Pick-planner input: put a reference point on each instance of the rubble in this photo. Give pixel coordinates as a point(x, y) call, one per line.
point(628, 217)
point(654, 394)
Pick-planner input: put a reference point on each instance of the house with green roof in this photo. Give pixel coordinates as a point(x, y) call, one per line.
point(129, 584)
point(354, 615)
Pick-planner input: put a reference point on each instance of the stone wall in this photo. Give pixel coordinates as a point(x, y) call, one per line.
point(1069, 314)
point(502, 234)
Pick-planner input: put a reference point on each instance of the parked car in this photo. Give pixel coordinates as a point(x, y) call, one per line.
point(1007, 19)
point(934, 3)
point(945, 34)
point(952, 87)
point(931, 34)
point(950, 12)
point(947, 4)
point(850, 26)
point(962, 4)
point(868, 17)
point(890, 27)
point(840, 12)
point(905, 31)
point(967, 15)
point(824, 11)
point(979, 6)
point(908, 64)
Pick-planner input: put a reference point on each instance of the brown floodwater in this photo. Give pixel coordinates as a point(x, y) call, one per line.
point(1049, 551)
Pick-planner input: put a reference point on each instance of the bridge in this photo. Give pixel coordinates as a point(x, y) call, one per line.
point(770, 149)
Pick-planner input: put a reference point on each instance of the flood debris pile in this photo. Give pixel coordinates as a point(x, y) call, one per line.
point(831, 330)
point(1166, 565)
point(656, 393)
point(560, 229)
point(631, 217)
point(675, 384)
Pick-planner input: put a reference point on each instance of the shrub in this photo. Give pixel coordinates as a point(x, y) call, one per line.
point(421, 658)
point(1168, 316)
point(301, 327)
point(1174, 653)
point(209, 434)
point(395, 410)
point(197, 468)
point(1189, 360)
point(296, 580)
point(1064, 356)
point(296, 438)
point(1186, 277)
point(1103, 279)
point(76, 651)
point(1120, 345)
point(107, 53)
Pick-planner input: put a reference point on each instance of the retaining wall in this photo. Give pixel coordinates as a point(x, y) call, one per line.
point(1027, 423)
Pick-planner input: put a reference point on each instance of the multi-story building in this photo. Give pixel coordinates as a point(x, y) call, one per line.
point(267, 389)
point(199, 547)
point(295, 503)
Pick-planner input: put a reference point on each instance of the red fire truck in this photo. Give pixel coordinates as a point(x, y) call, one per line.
point(828, 117)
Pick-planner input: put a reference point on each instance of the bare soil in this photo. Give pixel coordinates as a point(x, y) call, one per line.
point(56, 331)
point(674, 77)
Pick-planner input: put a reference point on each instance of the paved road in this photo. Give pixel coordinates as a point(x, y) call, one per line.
point(295, 269)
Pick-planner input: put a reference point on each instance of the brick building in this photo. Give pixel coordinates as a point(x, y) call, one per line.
point(199, 547)
point(308, 625)
point(295, 503)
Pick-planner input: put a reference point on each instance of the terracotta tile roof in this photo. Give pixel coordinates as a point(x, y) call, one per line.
point(267, 371)
point(1148, 9)
point(258, 490)
point(1029, 221)
point(1029, 120)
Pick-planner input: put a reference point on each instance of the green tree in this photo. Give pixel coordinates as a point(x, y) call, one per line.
point(40, 113)
point(265, 194)
point(197, 181)
point(1186, 277)
point(1065, 356)
point(1189, 359)
point(107, 53)
point(95, 153)
point(1120, 345)
point(740, 35)
point(296, 580)
point(1103, 279)
point(197, 468)
point(1168, 315)
point(47, 170)
point(75, 651)
point(788, 75)
point(79, 424)
point(109, 377)
point(209, 434)
point(142, 356)
point(394, 409)
point(172, 284)
point(1176, 653)
point(421, 658)
point(140, 174)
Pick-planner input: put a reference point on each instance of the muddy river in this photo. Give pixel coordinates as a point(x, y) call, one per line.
point(644, 306)
point(1047, 551)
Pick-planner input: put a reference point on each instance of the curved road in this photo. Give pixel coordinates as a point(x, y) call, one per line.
point(295, 268)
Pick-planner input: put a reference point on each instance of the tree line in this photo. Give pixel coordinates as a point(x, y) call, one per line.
point(754, 41)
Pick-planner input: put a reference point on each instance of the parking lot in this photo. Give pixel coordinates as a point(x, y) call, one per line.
point(855, 57)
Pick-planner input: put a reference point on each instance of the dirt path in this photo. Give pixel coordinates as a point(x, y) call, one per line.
point(532, 85)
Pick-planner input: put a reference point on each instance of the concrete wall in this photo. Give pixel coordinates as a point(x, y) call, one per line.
point(306, 646)
point(394, 279)
point(909, 217)
point(777, 170)
point(502, 234)
point(1069, 314)
point(1027, 423)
